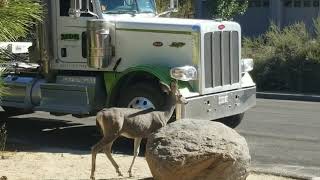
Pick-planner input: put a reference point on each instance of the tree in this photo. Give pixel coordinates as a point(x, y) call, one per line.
point(226, 9)
point(16, 18)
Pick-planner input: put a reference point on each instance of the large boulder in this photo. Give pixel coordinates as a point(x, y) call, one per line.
point(194, 149)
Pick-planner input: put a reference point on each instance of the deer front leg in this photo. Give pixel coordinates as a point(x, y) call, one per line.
point(137, 142)
point(109, 155)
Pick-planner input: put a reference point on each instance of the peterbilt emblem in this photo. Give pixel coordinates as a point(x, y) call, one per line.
point(221, 27)
point(157, 44)
point(177, 44)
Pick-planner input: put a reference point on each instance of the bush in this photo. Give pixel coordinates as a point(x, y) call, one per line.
point(287, 59)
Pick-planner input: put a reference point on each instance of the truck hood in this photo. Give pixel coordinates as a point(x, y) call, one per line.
point(169, 24)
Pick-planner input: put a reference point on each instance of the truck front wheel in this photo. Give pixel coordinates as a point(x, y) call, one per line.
point(141, 96)
point(231, 121)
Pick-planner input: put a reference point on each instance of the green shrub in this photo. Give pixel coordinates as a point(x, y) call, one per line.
point(287, 59)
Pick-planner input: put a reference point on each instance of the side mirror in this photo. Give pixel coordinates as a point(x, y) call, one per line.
point(174, 5)
point(75, 8)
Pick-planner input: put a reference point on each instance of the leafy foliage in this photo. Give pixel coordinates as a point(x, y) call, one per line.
point(287, 59)
point(226, 9)
point(17, 17)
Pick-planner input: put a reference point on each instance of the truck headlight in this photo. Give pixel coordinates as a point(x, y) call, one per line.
point(246, 65)
point(184, 73)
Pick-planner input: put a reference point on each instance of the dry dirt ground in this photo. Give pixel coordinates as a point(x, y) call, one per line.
point(76, 165)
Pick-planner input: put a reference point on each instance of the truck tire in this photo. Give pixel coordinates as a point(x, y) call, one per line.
point(141, 96)
point(231, 121)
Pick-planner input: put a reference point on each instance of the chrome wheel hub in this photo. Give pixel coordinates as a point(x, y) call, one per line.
point(140, 103)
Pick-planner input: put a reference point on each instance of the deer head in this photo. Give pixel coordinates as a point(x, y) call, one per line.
point(174, 96)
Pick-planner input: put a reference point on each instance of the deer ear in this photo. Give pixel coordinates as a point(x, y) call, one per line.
point(173, 86)
point(164, 87)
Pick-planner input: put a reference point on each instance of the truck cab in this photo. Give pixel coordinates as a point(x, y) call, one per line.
point(94, 54)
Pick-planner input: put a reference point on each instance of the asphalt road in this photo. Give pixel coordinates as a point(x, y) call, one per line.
point(283, 136)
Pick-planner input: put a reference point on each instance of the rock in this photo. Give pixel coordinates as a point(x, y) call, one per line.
point(194, 149)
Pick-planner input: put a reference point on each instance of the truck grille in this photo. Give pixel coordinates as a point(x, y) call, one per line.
point(221, 58)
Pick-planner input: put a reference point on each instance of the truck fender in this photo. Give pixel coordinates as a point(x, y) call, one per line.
point(114, 81)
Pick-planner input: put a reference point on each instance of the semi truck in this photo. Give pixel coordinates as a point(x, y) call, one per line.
point(93, 54)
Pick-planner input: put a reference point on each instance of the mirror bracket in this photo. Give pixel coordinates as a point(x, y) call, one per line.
point(76, 13)
point(174, 5)
point(76, 6)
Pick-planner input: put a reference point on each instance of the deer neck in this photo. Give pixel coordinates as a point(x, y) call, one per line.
point(169, 112)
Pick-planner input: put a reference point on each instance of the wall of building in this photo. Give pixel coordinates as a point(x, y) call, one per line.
point(300, 10)
point(257, 17)
point(260, 13)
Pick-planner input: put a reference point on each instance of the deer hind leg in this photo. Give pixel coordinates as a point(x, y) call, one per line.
point(109, 155)
point(137, 142)
point(96, 149)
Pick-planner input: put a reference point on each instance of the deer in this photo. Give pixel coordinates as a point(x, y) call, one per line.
point(133, 124)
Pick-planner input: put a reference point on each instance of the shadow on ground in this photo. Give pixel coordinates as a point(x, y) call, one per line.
point(34, 134)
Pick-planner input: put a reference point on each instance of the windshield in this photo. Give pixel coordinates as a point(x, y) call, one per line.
point(127, 6)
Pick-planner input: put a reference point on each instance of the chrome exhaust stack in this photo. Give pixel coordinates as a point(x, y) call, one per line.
point(98, 43)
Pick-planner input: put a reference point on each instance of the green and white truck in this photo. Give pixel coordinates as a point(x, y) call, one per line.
point(102, 53)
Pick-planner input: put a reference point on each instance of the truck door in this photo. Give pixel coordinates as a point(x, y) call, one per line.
point(71, 37)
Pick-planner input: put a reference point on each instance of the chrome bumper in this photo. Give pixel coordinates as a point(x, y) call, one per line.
point(215, 106)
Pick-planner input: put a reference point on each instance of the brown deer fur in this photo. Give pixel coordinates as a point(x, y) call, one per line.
point(132, 123)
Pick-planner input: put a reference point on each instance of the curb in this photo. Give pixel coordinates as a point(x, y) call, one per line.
point(285, 174)
point(288, 96)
